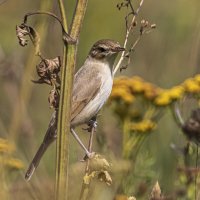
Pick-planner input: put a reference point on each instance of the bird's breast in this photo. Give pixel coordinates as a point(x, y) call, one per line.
point(104, 92)
point(95, 104)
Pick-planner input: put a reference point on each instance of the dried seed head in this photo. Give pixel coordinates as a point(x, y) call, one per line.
point(144, 23)
point(48, 71)
point(153, 26)
point(105, 176)
point(191, 127)
point(123, 4)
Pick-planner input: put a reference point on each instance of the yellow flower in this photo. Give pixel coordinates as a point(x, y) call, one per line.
point(13, 163)
point(151, 91)
point(191, 85)
point(136, 84)
point(120, 82)
point(121, 197)
point(176, 92)
point(122, 93)
point(197, 78)
point(5, 146)
point(163, 99)
point(143, 126)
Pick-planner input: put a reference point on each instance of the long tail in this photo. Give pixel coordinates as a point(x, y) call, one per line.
point(49, 137)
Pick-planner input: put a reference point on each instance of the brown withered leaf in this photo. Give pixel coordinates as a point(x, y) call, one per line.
point(21, 32)
point(41, 81)
point(48, 70)
point(53, 98)
point(24, 30)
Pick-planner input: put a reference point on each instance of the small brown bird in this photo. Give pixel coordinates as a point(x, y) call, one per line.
point(92, 87)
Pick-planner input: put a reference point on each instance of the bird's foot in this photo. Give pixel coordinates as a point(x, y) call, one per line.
point(92, 124)
point(88, 155)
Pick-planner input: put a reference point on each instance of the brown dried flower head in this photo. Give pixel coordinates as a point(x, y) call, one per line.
point(191, 127)
point(48, 71)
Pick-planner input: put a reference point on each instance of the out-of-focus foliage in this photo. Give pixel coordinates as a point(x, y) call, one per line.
point(166, 58)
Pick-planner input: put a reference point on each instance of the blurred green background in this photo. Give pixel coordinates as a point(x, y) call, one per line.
point(165, 57)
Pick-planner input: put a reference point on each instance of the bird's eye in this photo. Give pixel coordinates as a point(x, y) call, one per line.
point(101, 49)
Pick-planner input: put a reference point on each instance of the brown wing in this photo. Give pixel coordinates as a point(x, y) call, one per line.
point(87, 83)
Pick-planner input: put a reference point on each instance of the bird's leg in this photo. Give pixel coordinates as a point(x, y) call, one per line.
point(89, 154)
point(92, 124)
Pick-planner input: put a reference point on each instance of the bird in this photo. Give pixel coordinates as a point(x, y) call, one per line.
point(92, 86)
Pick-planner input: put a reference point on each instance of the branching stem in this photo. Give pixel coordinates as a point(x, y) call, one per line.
point(128, 30)
point(85, 187)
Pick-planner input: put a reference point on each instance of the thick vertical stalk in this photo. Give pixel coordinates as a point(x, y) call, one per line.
point(69, 60)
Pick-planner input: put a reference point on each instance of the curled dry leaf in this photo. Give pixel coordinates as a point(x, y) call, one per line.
point(48, 70)
point(53, 98)
point(22, 31)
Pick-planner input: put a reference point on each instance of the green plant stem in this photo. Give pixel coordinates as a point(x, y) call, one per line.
point(64, 118)
point(86, 186)
point(63, 14)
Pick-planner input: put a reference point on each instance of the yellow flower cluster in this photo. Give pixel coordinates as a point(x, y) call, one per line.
point(189, 86)
point(11, 163)
point(165, 97)
point(6, 147)
point(126, 89)
point(6, 160)
point(143, 126)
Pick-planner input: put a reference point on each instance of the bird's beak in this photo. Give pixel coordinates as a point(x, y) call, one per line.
point(118, 49)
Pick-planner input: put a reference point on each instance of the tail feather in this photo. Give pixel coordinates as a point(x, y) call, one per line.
point(36, 160)
point(50, 136)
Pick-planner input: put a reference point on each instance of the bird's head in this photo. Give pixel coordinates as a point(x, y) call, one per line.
point(106, 50)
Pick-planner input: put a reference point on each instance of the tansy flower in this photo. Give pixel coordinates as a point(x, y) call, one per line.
point(176, 92)
point(5, 146)
point(197, 78)
point(143, 126)
point(122, 93)
point(163, 99)
point(151, 91)
point(191, 86)
point(136, 84)
point(11, 163)
point(122, 81)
